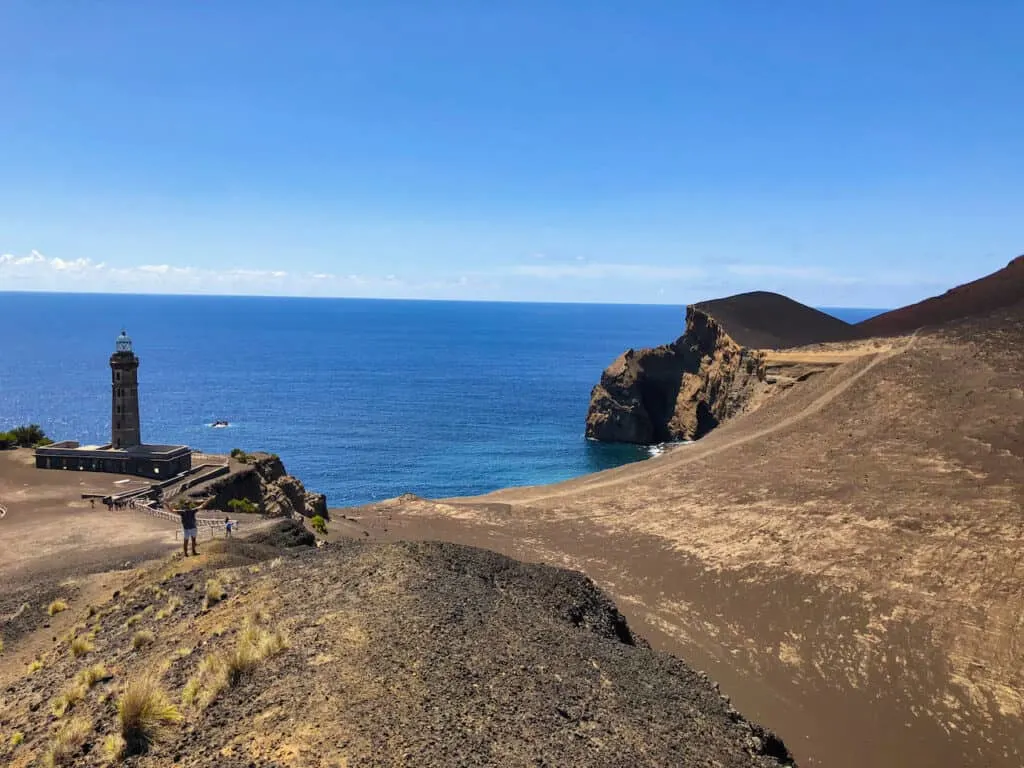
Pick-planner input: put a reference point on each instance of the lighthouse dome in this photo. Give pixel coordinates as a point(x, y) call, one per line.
point(124, 344)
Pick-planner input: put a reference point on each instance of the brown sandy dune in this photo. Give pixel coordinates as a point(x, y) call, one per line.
point(763, 320)
point(847, 560)
point(1000, 289)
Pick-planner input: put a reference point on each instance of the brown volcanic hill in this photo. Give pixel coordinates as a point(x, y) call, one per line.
point(765, 320)
point(1000, 289)
point(368, 654)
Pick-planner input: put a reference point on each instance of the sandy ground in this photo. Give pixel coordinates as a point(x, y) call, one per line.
point(50, 530)
point(846, 561)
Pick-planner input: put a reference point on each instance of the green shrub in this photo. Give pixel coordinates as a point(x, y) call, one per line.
point(242, 507)
point(25, 436)
point(319, 525)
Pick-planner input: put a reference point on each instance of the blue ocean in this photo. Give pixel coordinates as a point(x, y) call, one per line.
point(362, 399)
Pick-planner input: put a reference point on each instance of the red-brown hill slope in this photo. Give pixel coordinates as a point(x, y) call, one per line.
point(1000, 289)
point(764, 320)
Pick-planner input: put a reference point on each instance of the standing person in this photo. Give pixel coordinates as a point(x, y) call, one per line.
point(187, 513)
point(227, 527)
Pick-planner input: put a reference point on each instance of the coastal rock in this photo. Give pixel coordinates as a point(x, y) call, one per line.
point(267, 484)
point(677, 391)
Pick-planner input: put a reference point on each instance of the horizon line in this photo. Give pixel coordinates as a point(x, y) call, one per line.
point(433, 300)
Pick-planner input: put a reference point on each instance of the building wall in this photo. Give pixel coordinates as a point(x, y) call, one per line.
point(158, 469)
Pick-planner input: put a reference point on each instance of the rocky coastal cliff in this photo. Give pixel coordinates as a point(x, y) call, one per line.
point(265, 483)
point(678, 391)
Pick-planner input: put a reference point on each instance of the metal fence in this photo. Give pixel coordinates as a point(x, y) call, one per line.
point(203, 524)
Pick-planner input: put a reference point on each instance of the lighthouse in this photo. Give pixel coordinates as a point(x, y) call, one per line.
point(125, 454)
point(124, 397)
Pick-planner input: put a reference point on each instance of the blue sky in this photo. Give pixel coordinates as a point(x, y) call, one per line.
point(845, 153)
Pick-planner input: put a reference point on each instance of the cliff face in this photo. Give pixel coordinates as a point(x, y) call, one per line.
point(677, 391)
point(266, 483)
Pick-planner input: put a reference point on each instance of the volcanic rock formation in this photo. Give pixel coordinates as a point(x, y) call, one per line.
point(677, 391)
point(266, 483)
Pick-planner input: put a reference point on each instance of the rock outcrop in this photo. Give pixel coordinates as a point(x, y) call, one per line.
point(677, 391)
point(265, 483)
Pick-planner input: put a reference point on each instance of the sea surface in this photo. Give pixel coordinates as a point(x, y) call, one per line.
point(362, 399)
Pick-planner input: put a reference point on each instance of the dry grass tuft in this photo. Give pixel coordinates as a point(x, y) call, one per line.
point(92, 675)
point(35, 665)
point(142, 638)
point(56, 607)
point(133, 620)
point(172, 605)
point(71, 696)
point(1, 645)
point(67, 742)
point(260, 616)
point(145, 714)
point(276, 563)
point(81, 645)
point(220, 671)
point(214, 592)
point(16, 739)
point(114, 747)
point(210, 679)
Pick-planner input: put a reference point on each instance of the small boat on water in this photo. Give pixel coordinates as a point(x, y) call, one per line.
point(220, 424)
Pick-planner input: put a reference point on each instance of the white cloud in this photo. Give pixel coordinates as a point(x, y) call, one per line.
point(598, 271)
point(536, 279)
point(39, 272)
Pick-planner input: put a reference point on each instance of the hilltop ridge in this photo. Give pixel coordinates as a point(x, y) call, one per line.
point(999, 289)
point(765, 320)
point(376, 655)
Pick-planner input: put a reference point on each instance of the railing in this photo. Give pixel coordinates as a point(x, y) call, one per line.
point(210, 458)
point(150, 508)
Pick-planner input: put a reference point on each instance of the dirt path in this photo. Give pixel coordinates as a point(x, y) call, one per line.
point(679, 458)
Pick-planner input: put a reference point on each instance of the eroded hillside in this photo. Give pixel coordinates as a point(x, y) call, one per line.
point(365, 654)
